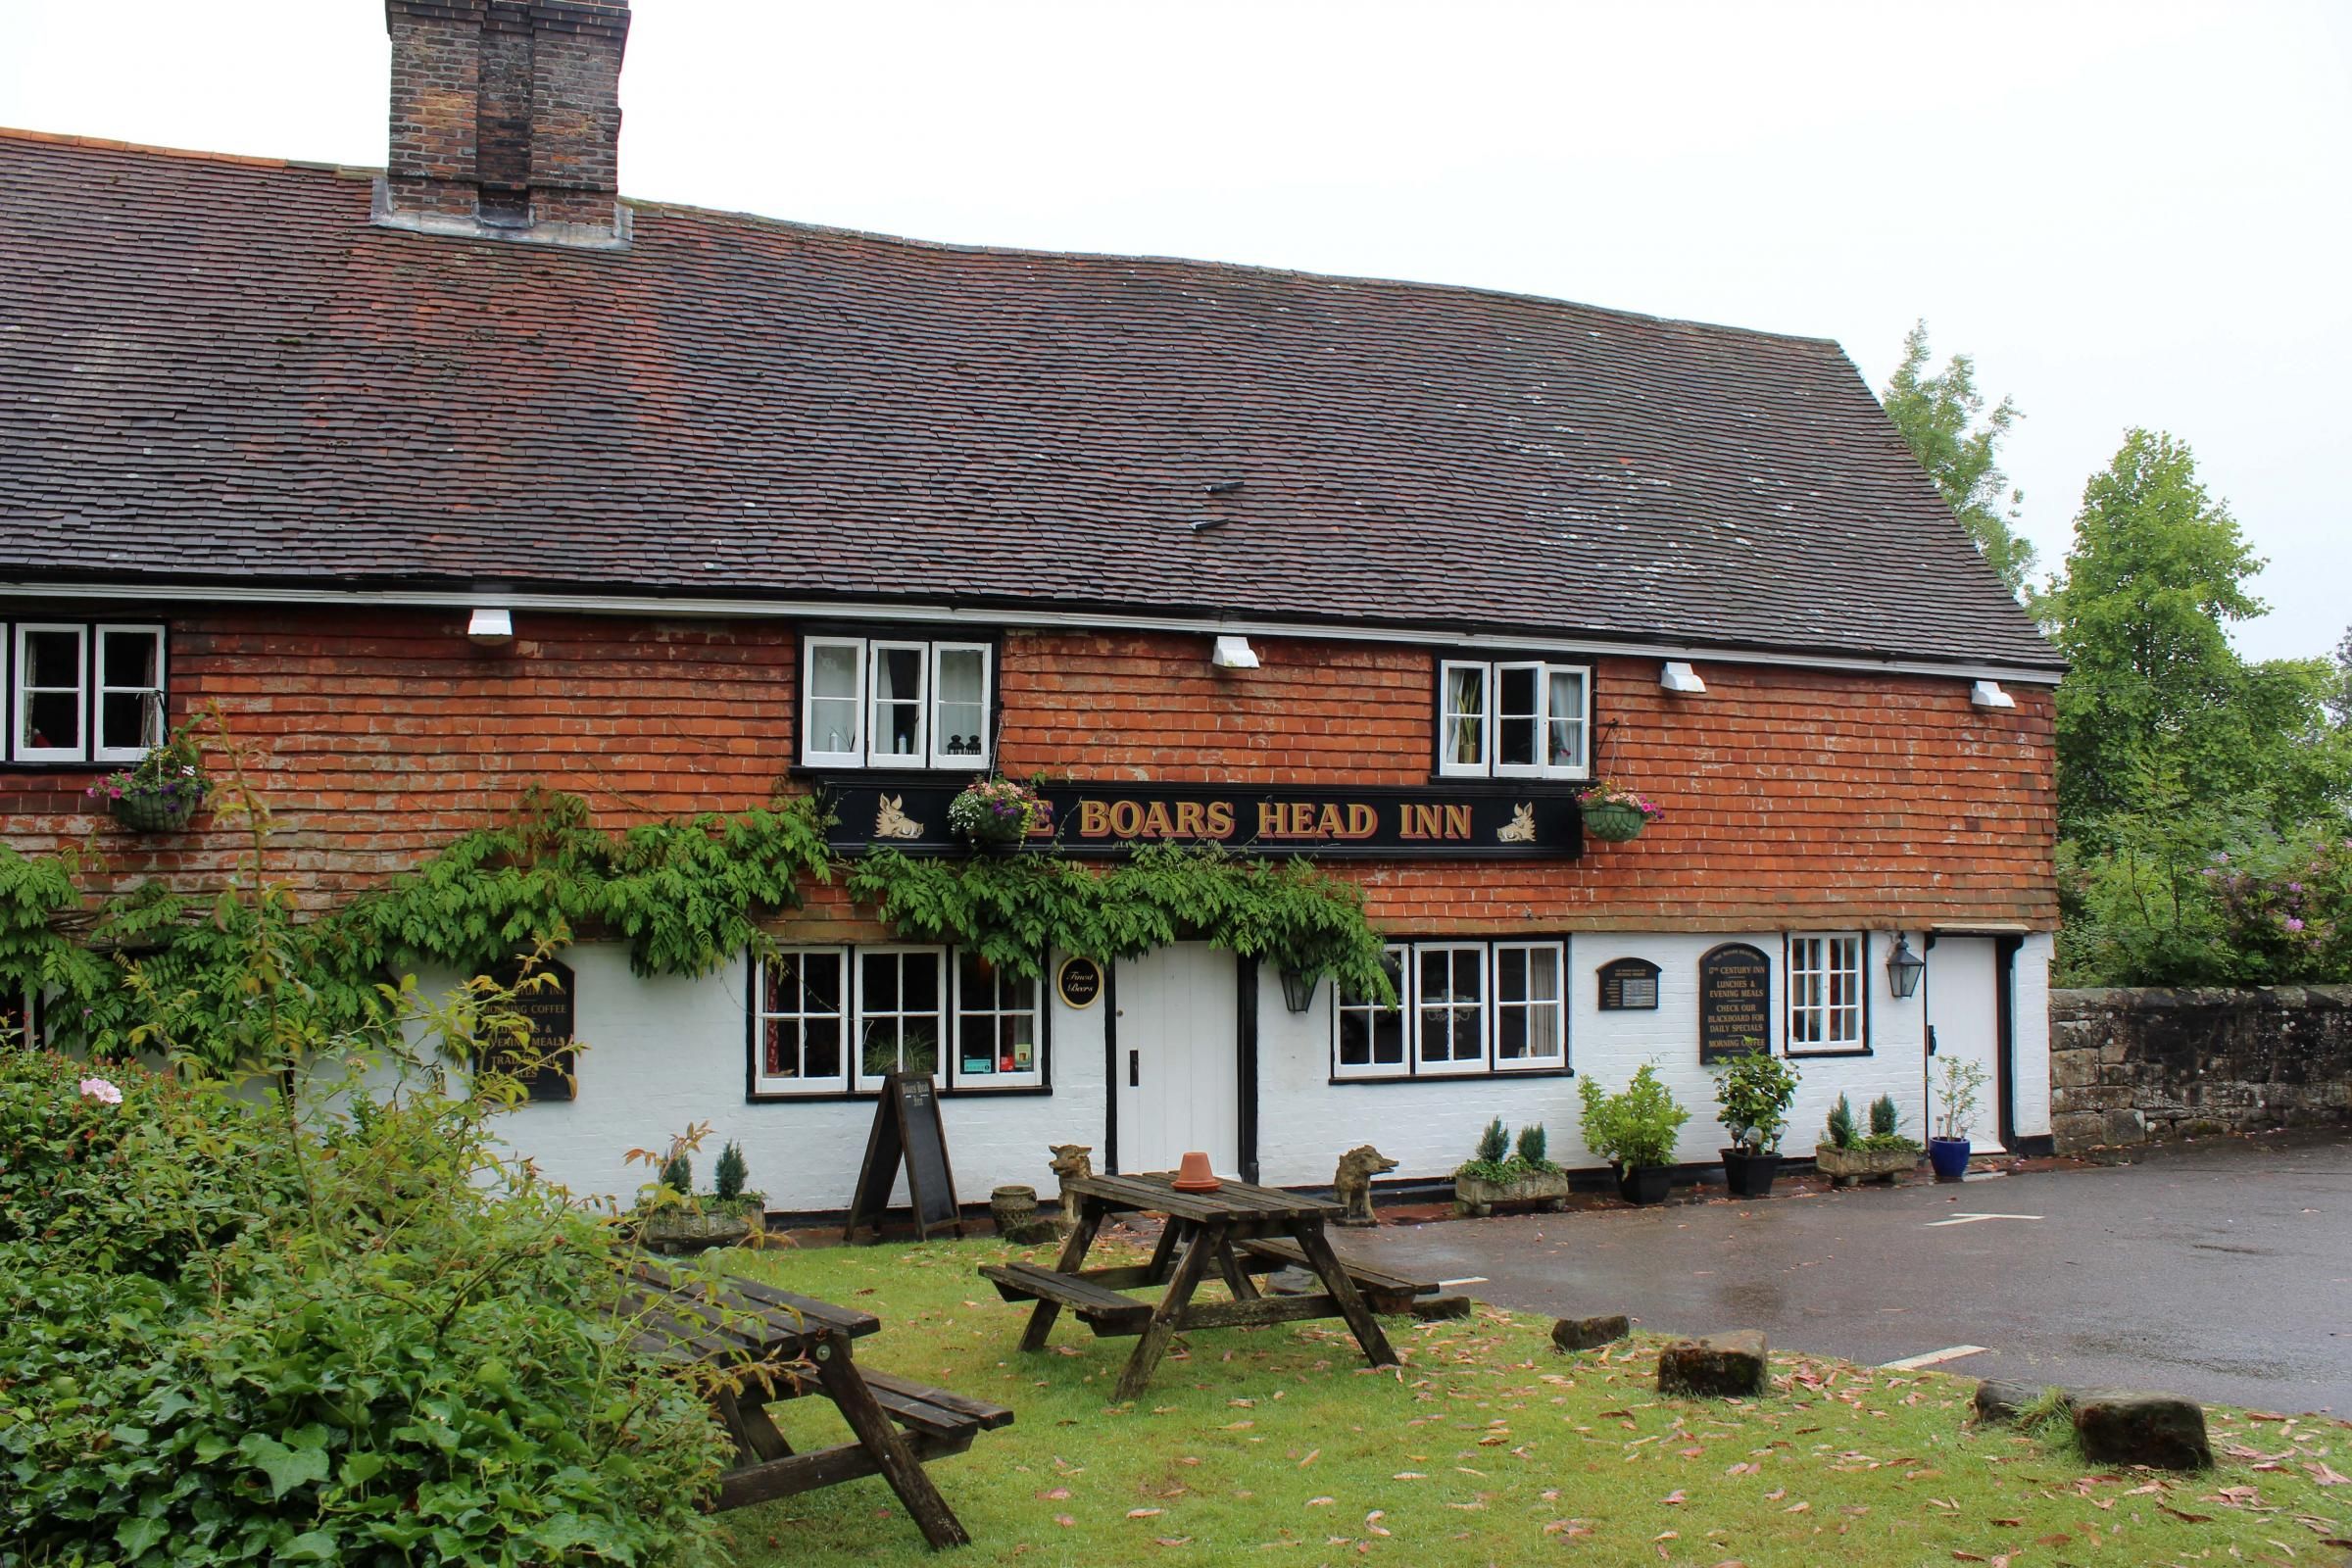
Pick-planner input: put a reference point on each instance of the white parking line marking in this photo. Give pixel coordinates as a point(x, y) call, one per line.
point(1971, 1219)
point(1950, 1353)
point(1474, 1279)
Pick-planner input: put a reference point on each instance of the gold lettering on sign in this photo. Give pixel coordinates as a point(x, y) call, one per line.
point(1188, 818)
point(1155, 822)
point(1220, 819)
point(1362, 822)
point(1417, 822)
point(1093, 820)
point(1457, 821)
point(1269, 821)
point(1126, 818)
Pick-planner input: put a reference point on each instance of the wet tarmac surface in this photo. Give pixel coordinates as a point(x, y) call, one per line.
point(2219, 1269)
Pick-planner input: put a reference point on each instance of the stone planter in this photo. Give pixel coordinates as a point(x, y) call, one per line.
point(1846, 1166)
point(1473, 1194)
point(681, 1231)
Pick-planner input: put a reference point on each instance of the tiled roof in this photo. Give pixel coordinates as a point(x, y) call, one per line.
point(214, 368)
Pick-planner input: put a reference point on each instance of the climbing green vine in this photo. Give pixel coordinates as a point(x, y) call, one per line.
point(149, 967)
point(1013, 910)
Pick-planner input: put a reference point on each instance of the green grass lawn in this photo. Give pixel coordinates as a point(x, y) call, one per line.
point(1278, 1445)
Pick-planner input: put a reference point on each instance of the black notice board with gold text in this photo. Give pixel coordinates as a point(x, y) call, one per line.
point(1734, 1001)
point(906, 1130)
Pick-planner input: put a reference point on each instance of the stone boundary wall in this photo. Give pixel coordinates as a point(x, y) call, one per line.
point(2131, 1066)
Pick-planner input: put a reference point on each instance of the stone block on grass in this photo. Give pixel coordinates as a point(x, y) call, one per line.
point(2007, 1398)
point(1719, 1366)
point(1573, 1334)
point(2123, 1426)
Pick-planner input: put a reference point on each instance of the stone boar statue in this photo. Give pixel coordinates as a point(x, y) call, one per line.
point(1354, 1182)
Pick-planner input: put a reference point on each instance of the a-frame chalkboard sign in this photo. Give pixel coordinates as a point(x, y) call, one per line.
point(906, 1127)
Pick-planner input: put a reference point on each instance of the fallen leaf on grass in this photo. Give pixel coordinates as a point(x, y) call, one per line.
point(1799, 1508)
point(1056, 1494)
point(1312, 1455)
point(1173, 1540)
point(2327, 1477)
point(1673, 1497)
point(2183, 1515)
point(1065, 1520)
point(1145, 1513)
point(1318, 1502)
point(1745, 1469)
point(1408, 1475)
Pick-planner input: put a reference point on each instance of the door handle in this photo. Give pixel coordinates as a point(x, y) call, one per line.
point(1135, 1077)
point(1930, 1040)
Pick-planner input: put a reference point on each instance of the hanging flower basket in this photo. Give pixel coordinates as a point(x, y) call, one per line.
point(160, 795)
point(155, 813)
point(1614, 814)
point(995, 811)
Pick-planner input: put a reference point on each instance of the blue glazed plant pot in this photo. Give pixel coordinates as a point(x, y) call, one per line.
point(1949, 1156)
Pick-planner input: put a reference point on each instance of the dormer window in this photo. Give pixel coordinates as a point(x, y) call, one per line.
point(1513, 718)
point(880, 701)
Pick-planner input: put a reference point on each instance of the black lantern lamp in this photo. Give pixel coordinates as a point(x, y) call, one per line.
point(1904, 967)
point(1299, 988)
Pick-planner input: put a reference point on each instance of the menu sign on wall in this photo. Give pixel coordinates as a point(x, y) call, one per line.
point(1629, 985)
point(1734, 1001)
point(551, 1009)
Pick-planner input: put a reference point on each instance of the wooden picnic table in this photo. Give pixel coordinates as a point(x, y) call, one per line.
point(774, 1345)
point(1240, 1229)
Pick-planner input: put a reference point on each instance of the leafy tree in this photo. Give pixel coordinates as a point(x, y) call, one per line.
point(2159, 708)
point(1942, 417)
point(2340, 702)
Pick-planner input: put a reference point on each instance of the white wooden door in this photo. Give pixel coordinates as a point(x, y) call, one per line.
point(1179, 1083)
point(1964, 1009)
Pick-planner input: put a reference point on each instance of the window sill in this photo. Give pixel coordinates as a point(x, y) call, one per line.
point(1453, 1077)
point(1828, 1052)
point(819, 1096)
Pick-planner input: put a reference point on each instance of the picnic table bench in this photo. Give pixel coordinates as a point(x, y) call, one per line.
point(1241, 1230)
point(774, 1345)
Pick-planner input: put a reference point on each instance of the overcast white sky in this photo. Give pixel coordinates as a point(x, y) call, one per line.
point(2130, 214)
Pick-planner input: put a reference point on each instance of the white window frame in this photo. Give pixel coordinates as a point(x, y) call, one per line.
point(1818, 1021)
point(1342, 1004)
point(875, 756)
point(1448, 767)
point(100, 691)
point(21, 670)
point(1556, 1006)
point(764, 1083)
point(1453, 1065)
point(951, 1053)
point(812, 755)
point(1490, 763)
point(975, 761)
point(862, 1081)
point(866, 752)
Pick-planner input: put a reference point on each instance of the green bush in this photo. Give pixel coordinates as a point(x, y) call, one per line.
point(1883, 1118)
point(677, 1173)
point(1495, 1143)
point(365, 1341)
point(1754, 1092)
point(1534, 1149)
point(729, 1174)
point(1635, 1126)
point(1840, 1129)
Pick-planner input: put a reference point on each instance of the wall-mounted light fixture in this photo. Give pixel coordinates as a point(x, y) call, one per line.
point(1989, 694)
point(1233, 653)
point(1299, 990)
point(1680, 677)
point(1904, 967)
point(491, 627)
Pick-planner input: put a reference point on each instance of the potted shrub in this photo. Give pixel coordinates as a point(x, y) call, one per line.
point(1848, 1156)
point(1960, 1082)
point(1633, 1129)
point(1754, 1092)
point(995, 811)
point(163, 792)
point(1614, 814)
point(1501, 1174)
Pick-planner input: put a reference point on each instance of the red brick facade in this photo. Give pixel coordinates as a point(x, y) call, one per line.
point(1794, 798)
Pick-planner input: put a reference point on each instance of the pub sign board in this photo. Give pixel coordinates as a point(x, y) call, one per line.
point(1629, 985)
point(1384, 822)
point(1734, 1001)
point(550, 1007)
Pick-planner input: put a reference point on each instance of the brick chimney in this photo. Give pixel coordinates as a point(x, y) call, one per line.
point(505, 119)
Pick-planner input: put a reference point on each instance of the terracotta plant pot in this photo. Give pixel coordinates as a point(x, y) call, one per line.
point(1194, 1176)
